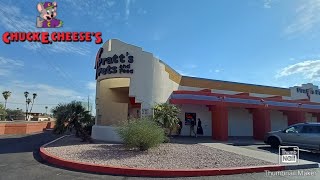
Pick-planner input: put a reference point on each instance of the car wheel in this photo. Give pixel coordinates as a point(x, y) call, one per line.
point(274, 142)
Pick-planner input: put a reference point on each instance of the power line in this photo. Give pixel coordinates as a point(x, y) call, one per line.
point(25, 103)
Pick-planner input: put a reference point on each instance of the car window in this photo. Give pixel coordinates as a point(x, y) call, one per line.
point(310, 129)
point(294, 129)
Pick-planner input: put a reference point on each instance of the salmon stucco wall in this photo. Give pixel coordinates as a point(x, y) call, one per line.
point(25, 128)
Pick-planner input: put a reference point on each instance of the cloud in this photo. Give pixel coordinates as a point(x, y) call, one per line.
point(13, 20)
point(267, 4)
point(156, 36)
point(91, 85)
point(111, 3)
point(307, 18)
point(8, 65)
point(95, 8)
point(216, 70)
point(309, 69)
point(142, 11)
point(127, 8)
point(11, 62)
point(190, 66)
point(184, 73)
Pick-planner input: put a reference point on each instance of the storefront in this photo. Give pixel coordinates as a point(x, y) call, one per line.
point(131, 81)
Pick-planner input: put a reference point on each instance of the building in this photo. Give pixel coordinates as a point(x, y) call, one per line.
point(38, 117)
point(131, 81)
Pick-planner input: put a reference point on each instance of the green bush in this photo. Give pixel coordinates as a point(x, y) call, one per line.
point(142, 133)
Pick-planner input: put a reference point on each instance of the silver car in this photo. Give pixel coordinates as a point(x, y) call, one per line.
point(303, 135)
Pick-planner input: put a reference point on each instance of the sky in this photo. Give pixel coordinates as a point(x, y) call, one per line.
point(265, 42)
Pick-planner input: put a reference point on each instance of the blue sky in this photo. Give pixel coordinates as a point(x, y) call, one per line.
point(266, 42)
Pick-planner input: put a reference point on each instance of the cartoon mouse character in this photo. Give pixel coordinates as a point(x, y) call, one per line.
point(48, 12)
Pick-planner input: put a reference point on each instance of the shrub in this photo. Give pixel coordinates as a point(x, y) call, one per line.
point(73, 116)
point(166, 139)
point(142, 133)
point(166, 115)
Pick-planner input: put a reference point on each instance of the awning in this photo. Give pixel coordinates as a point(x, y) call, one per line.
point(246, 101)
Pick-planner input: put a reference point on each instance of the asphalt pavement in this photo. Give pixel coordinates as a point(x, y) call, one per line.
point(19, 159)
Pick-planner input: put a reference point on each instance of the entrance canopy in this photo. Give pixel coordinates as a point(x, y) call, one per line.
point(206, 97)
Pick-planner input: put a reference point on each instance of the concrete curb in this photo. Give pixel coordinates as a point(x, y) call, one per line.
point(124, 171)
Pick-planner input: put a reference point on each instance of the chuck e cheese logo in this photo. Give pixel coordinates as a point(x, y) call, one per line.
point(48, 19)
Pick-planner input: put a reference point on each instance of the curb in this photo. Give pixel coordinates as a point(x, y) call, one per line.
point(124, 171)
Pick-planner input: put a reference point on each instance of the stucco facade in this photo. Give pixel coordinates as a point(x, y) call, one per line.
point(131, 81)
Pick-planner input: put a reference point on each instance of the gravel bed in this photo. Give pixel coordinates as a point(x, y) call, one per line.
point(166, 156)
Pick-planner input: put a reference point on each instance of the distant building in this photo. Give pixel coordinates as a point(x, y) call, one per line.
point(38, 117)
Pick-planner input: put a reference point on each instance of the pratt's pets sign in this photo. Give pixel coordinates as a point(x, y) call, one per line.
point(46, 19)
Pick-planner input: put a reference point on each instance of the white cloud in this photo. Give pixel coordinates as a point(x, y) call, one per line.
point(184, 73)
point(216, 70)
point(156, 36)
point(95, 8)
point(91, 85)
point(111, 3)
point(127, 8)
point(307, 18)
point(142, 11)
point(8, 65)
point(190, 66)
point(309, 69)
point(13, 20)
point(267, 4)
point(11, 62)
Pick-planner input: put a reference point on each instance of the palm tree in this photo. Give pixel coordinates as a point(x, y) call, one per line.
point(6, 95)
point(28, 103)
point(26, 96)
point(166, 115)
point(46, 109)
point(34, 95)
point(73, 116)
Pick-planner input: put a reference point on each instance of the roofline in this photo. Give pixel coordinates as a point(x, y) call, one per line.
point(236, 82)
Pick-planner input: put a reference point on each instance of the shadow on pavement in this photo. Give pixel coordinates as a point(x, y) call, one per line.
point(25, 143)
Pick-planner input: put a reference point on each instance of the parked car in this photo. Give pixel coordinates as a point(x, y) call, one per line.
point(303, 135)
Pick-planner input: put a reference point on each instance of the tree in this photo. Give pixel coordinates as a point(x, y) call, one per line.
point(34, 95)
point(6, 95)
point(28, 104)
point(46, 109)
point(14, 112)
point(73, 116)
point(2, 112)
point(166, 115)
point(26, 93)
